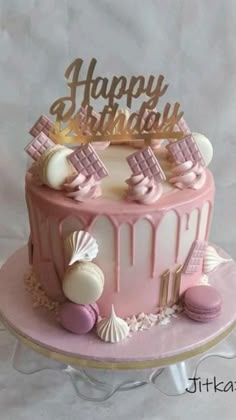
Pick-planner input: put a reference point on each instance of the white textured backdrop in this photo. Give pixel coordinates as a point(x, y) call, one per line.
point(192, 42)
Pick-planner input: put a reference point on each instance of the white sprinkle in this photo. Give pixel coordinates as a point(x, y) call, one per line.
point(165, 321)
point(141, 316)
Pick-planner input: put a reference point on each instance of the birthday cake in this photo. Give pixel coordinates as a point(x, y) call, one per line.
point(120, 207)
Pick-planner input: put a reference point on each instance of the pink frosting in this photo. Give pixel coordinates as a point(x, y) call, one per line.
point(53, 208)
point(34, 170)
point(143, 190)
point(188, 175)
point(81, 189)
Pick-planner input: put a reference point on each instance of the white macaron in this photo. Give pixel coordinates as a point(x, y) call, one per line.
point(205, 147)
point(54, 167)
point(83, 283)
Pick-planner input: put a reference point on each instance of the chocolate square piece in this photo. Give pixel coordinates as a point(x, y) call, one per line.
point(42, 124)
point(86, 161)
point(38, 145)
point(183, 126)
point(195, 257)
point(185, 149)
point(145, 162)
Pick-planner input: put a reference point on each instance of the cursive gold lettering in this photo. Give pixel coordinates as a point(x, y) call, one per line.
point(140, 82)
point(101, 90)
point(111, 122)
point(157, 92)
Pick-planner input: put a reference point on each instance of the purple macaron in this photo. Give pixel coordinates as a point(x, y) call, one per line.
point(202, 303)
point(78, 319)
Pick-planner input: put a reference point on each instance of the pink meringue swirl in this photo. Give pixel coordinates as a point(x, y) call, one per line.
point(188, 175)
point(143, 190)
point(81, 189)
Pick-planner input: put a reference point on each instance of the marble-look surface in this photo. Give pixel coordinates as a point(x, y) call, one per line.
point(192, 42)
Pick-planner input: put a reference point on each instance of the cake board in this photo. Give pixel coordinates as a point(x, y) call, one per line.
point(160, 354)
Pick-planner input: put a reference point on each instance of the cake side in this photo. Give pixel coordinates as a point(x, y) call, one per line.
point(137, 245)
point(120, 205)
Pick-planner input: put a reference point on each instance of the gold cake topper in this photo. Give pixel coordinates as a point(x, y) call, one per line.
point(111, 124)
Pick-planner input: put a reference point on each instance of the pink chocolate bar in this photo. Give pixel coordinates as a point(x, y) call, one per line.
point(82, 113)
point(145, 162)
point(42, 124)
point(38, 145)
point(195, 257)
point(86, 161)
point(185, 149)
point(183, 126)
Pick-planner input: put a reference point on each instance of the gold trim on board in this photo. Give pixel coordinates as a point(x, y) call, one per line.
point(73, 360)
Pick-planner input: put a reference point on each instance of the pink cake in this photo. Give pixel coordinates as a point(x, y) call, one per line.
point(137, 243)
point(140, 218)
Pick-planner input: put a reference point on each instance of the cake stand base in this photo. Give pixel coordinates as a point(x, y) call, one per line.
point(99, 385)
point(166, 357)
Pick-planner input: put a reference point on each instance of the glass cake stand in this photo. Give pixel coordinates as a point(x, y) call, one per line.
point(165, 357)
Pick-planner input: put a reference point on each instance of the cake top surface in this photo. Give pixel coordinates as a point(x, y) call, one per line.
point(114, 158)
point(172, 198)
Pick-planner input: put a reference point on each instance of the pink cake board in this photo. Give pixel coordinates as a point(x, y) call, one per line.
point(159, 346)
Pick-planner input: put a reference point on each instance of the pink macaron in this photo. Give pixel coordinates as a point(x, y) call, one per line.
point(78, 319)
point(202, 303)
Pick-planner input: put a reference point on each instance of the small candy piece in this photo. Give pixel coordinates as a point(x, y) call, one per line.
point(54, 167)
point(204, 280)
point(83, 283)
point(204, 146)
point(82, 246)
point(183, 126)
point(112, 329)
point(78, 319)
point(36, 147)
point(185, 150)
point(86, 161)
point(82, 118)
point(145, 162)
point(195, 257)
point(202, 304)
point(42, 124)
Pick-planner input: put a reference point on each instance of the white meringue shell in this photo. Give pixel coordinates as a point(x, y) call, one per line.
point(81, 246)
point(212, 259)
point(112, 329)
